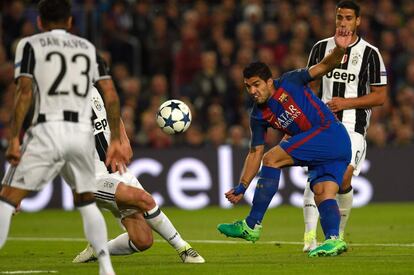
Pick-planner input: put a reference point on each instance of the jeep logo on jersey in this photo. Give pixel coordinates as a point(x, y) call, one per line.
point(341, 76)
point(100, 124)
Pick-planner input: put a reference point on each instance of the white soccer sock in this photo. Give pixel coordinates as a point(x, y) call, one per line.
point(160, 223)
point(121, 245)
point(310, 210)
point(6, 211)
point(95, 231)
point(345, 205)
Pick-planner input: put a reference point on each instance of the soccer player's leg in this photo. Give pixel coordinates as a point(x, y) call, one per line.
point(10, 197)
point(346, 192)
point(95, 229)
point(137, 198)
point(344, 198)
point(324, 183)
point(267, 186)
point(311, 217)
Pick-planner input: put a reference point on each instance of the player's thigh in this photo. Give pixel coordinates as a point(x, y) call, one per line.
point(319, 145)
point(79, 168)
point(139, 232)
point(359, 149)
point(127, 196)
point(39, 163)
point(277, 157)
point(107, 186)
point(330, 171)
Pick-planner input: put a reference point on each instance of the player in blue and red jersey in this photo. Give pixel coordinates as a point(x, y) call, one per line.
point(314, 138)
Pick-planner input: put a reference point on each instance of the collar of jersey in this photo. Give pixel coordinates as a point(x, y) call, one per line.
point(58, 30)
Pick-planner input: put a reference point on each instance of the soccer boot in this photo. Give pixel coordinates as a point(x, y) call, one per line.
point(87, 255)
point(240, 229)
point(341, 235)
point(309, 241)
point(330, 247)
point(189, 255)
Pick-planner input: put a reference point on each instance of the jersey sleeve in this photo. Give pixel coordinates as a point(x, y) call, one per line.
point(24, 62)
point(101, 69)
point(376, 67)
point(299, 76)
point(317, 53)
point(258, 130)
point(313, 57)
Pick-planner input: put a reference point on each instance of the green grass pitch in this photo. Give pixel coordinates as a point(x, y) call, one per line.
point(380, 237)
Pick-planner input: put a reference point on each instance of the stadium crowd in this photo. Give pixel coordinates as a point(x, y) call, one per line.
point(196, 50)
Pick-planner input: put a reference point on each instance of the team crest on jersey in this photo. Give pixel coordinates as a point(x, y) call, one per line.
point(355, 58)
point(283, 98)
point(97, 104)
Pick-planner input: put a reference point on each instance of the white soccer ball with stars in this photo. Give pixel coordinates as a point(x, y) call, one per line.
point(174, 117)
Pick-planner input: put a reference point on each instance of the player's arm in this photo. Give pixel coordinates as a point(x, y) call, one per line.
point(329, 62)
point(24, 94)
point(377, 97)
point(126, 145)
point(116, 156)
point(250, 169)
point(251, 165)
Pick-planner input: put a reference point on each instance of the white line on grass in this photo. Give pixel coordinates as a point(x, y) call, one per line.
point(210, 242)
point(28, 271)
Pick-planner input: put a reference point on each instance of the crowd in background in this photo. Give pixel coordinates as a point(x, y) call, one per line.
point(196, 51)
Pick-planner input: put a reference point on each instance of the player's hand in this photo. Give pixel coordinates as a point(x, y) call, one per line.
point(13, 153)
point(126, 147)
point(343, 37)
point(116, 157)
point(233, 198)
point(337, 104)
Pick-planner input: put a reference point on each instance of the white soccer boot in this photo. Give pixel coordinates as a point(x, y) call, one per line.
point(309, 241)
point(87, 255)
point(189, 255)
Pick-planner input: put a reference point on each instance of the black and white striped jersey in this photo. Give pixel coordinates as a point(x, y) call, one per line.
point(361, 67)
point(101, 131)
point(63, 67)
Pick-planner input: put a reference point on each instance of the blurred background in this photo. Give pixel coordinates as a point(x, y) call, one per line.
point(196, 50)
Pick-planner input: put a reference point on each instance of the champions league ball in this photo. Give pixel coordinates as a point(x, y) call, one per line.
point(174, 117)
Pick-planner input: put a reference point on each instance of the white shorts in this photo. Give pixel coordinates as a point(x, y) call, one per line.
point(53, 148)
point(106, 187)
point(359, 151)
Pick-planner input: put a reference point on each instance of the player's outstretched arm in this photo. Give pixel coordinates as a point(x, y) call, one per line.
point(23, 101)
point(343, 38)
point(126, 145)
point(377, 97)
point(250, 169)
point(116, 155)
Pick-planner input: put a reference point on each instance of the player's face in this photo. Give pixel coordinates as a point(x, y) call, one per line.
point(346, 18)
point(258, 89)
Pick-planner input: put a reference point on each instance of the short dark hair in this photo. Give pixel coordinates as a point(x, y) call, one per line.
point(259, 69)
point(349, 4)
point(54, 10)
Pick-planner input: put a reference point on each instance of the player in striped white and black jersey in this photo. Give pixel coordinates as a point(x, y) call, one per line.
point(55, 71)
point(124, 196)
point(350, 91)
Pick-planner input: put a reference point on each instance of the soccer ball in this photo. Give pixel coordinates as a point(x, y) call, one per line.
point(173, 117)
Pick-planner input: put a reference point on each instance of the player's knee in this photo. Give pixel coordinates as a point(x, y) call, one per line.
point(144, 199)
point(144, 242)
point(277, 158)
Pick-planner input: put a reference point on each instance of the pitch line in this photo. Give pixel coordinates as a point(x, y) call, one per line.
point(47, 239)
point(28, 272)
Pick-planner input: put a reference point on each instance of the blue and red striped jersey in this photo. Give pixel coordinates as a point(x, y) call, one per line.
point(292, 109)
